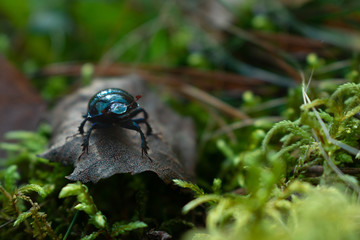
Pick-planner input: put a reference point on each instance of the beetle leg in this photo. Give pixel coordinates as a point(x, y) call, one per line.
point(134, 126)
point(85, 144)
point(81, 127)
point(142, 120)
point(137, 111)
point(146, 116)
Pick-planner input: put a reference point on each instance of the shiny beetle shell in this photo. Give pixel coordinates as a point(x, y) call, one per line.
point(114, 106)
point(117, 100)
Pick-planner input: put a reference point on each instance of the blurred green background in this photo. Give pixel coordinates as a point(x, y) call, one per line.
point(248, 54)
point(268, 40)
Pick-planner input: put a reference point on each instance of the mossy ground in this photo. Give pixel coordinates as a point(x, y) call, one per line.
point(289, 171)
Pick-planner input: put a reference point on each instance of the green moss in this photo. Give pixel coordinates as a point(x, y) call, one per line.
point(274, 200)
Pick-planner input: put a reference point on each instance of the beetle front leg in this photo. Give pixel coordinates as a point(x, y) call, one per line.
point(134, 126)
point(81, 127)
point(146, 116)
point(142, 120)
point(85, 144)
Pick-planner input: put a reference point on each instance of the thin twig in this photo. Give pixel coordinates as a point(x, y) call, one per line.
point(6, 223)
point(318, 170)
point(238, 125)
point(203, 96)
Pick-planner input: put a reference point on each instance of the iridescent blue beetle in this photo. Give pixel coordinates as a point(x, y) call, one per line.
point(114, 106)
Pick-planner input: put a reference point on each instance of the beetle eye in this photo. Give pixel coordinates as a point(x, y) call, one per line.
point(118, 108)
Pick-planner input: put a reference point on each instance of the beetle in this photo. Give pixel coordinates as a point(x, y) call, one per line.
point(115, 107)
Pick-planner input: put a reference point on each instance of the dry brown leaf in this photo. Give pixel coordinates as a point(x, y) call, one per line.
point(117, 150)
